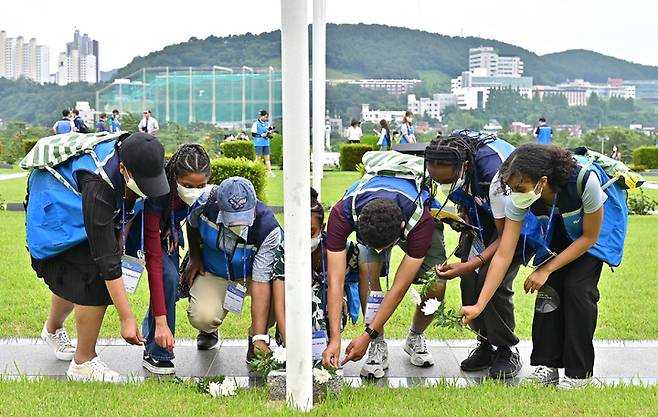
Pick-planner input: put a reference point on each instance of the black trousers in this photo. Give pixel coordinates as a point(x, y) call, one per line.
point(563, 338)
point(496, 322)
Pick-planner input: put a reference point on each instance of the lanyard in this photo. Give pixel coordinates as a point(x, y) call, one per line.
point(550, 220)
point(229, 265)
point(140, 254)
point(324, 278)
point(388, 259)
point(175, 230)
point(545, 235)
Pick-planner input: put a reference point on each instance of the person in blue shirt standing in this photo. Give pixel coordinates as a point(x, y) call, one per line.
point(114, 122)
point(102, 124)
point(261, 132)
point(65, 124)
point(543, 133)
point(407, 131)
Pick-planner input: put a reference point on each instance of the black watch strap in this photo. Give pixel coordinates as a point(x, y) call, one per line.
point(372, 332)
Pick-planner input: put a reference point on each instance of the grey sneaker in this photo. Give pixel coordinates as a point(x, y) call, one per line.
point(377, 361)
point(568, 383)
point(543, 375)
point(416, 347)
point(59, 342)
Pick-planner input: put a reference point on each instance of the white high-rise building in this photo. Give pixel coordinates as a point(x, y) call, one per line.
point(80, 61)
point(23, 60)
point(487, 58)
point(432, 107)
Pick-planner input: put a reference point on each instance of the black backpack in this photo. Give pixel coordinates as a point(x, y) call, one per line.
point(81, 125)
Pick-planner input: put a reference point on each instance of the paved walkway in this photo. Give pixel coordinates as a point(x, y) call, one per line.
point(632, 362)
point(12, 176)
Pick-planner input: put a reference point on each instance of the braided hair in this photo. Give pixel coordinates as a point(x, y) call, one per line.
point(316, 207)
point(189, 158)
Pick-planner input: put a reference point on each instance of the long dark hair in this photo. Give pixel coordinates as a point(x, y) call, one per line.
point(534, 161)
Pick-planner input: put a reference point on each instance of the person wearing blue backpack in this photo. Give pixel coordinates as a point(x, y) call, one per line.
point(566, 196)
point(65, 124)
point(77, 215)
point(232, 239)
point(466, 164)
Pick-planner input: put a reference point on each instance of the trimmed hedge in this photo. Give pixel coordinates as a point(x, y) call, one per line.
point(646, 156)
point(223, 168)
point(370, 140)
point(28, 144)
point(238, 149)
point(351, 155)
point(276, 149)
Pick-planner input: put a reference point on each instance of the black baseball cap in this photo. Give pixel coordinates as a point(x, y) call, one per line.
point(143, 156)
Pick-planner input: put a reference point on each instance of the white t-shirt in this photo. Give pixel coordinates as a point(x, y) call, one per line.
point(497, 198)
point(354, 134)
point(593, 199)
point(150, 127)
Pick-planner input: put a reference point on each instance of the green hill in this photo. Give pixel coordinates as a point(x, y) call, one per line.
point(353, 51)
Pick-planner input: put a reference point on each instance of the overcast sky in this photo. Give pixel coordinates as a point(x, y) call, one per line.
point(624, 29)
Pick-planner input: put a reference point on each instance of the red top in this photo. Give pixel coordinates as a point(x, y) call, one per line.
point(153, 248)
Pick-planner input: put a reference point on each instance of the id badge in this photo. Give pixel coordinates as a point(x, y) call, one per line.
point(319, 344)
point(235, 294)
point(132, 269)
point(375, 299)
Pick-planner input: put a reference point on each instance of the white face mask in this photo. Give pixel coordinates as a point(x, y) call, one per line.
point(410, 119)
point(130, 183)
point(315, 242)
point(525, 200)
point(189, 195)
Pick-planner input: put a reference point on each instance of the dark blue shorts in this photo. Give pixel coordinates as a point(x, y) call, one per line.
point(262, 150)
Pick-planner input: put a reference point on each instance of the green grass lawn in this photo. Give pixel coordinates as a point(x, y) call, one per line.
point(53, 398)
point(334, 184)
point(13, 191)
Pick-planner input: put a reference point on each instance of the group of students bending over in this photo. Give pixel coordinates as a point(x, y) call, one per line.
point(127, 206)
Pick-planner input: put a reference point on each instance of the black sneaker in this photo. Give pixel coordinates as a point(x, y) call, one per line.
point(207, 341)
point(480, 358)
point(158, 367)
point(506, 364)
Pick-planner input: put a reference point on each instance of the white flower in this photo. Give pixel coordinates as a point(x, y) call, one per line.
point(279, 355)
point(214, 389)
point(431, 306)
point(321, 375)
point(228, 387)
point(415, 296)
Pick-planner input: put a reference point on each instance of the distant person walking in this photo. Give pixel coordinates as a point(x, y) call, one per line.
point(616, 153)
point(79, 122)
point(114, 122)
point(148, 124)
point(407, 131)
point(354, 132)
point(65, 124)
point(543, 133)
point(261, 132)
point(102, 125)
point(384, 136)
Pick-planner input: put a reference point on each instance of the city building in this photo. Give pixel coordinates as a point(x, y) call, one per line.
point(80, 62)
point(520, 128)
point(577, 92)
point(472, 88)
point(19, 59)
point(375, 116)
point(487, 58)
point(645, 90)
point(493, 127)
point(431, 107)
point(392, 86)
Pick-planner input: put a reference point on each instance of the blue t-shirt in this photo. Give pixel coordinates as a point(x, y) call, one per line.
point(544, 134)
point(257, 129)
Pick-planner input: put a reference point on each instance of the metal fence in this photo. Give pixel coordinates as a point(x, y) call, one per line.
point(224, 96)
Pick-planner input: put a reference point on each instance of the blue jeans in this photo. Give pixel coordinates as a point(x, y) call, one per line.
point(170, 277)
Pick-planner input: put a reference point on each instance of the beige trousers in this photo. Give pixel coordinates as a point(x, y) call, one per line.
point(206, 311)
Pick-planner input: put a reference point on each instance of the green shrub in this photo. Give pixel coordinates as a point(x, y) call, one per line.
point(370, 140)
point(238, 149)
point(351, 155)
point(647, 156)
point(640, 203)
point(637, 168)
point(223, 168)
point(28, 144)
point(276, 149)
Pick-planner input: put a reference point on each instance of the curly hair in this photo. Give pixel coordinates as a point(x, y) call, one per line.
point(316, 207)
point(379, 223)
point(534, 161)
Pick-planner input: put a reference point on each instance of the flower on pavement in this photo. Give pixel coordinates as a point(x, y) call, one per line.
point(321, 375)
point(431, 306)
point(228, 387)
point(415, 296)
point(279, 355)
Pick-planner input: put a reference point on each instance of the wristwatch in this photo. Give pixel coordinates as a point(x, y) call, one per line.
point(372, 332)
point(263, 337)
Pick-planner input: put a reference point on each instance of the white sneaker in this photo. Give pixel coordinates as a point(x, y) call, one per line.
point(59, 342)
point(377, 361)
point(94, 370)
point(416, 348)
point(567, 383)
point(543, 375)
point(271, 174)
